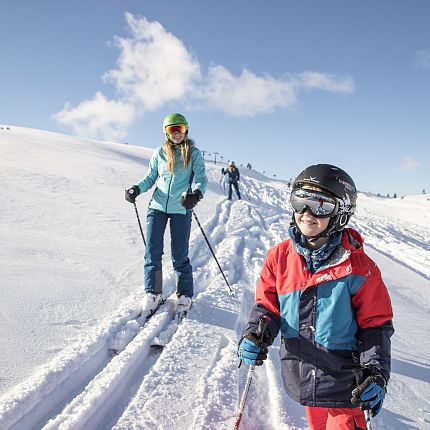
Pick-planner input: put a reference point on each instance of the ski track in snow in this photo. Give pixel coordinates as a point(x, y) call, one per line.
point(215, 397)
point(85, 384)
point(88, 388)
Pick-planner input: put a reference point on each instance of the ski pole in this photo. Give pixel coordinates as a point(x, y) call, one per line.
point(140, 225)
point(213, 253)
point(368, 418)
point(262, 324)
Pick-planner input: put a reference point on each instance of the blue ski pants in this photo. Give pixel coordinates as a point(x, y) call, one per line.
point(180, 228)
point(236, 187)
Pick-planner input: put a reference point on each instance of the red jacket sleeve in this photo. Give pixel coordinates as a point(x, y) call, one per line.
point(374, 317)
point(372, 301)
point(266, 293)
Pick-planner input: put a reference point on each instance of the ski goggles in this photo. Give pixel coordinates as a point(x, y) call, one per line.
point(321, 205)
point(177, 128)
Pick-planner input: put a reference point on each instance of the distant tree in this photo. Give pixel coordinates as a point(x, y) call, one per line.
point(264, 172)
point(274, 175)
point(379, 195)
point(424, 191)
point(248, 166)
point(388, 195)
point(395, 196)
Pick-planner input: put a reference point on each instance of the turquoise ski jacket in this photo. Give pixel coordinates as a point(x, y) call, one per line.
point(169, 188)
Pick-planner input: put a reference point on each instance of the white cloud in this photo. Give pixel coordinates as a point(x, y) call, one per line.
point(155, 68)
point(247, 94)
point(422, 59)
point(327, 82)
point(98, 118)
point(408, 163)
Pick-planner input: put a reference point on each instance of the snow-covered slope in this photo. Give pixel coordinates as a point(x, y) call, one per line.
point(70, 281)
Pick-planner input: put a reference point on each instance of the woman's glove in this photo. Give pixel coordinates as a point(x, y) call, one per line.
point(370, 394)
point(252, 350)
point(189, 200)
point(132, 193)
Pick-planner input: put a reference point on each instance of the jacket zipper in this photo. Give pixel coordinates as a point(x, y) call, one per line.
point(168, 193)
point(314, 370)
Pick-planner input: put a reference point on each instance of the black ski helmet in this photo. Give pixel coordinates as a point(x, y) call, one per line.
point(339, 184)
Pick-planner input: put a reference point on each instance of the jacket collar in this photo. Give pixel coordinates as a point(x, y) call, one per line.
point(329, 254)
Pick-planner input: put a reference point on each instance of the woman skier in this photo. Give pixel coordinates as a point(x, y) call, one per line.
point(172, 168)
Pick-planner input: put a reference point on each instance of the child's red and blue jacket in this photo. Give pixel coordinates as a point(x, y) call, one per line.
point(334, 316)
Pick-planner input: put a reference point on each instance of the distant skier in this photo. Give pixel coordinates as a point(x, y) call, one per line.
point(328, 299)
point(233, 178)
point(171, 169)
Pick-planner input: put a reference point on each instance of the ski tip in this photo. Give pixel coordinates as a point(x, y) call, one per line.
point(157, 343)
point(157, 346)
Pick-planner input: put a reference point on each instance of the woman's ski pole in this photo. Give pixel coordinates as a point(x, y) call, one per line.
point(262, 324)
point(213, 253)
point(140, 225)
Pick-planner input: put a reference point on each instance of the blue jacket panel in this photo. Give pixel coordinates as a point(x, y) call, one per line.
point(169, 188)
point(335, 324)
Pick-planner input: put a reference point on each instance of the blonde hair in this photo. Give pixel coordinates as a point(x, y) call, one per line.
point(170, 149)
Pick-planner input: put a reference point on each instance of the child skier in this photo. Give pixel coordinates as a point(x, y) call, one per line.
point(172, 168)
point(327, 298)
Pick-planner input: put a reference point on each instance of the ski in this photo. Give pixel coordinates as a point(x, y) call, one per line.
point(163, 338)
point(129, 331)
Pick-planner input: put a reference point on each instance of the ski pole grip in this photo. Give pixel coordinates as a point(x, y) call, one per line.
point(263, 322)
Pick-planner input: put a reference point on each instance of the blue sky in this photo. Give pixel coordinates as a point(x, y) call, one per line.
point(278, 84)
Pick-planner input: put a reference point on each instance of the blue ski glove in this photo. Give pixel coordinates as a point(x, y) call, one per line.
point(370, 394)
point(132, 193)
point(252, 350)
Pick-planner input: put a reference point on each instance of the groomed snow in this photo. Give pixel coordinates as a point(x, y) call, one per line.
point(71, 280)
